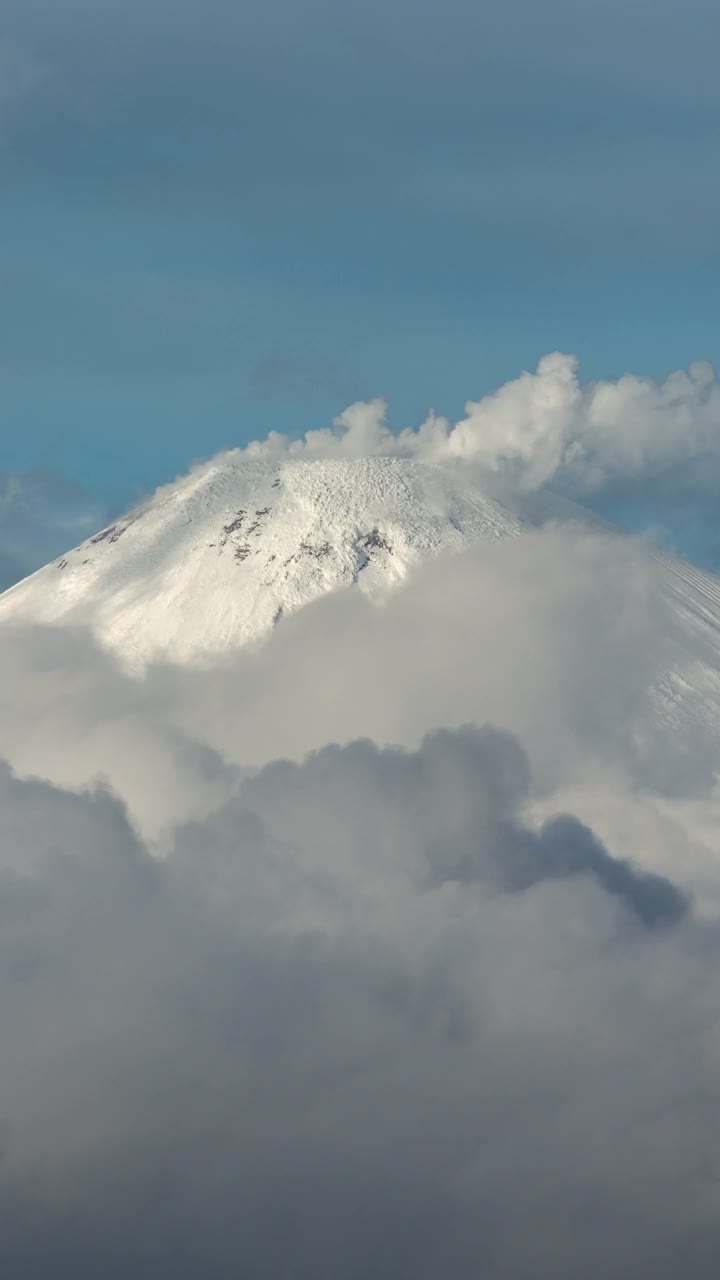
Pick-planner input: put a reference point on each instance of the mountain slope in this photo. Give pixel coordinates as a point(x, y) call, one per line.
point(217, 559)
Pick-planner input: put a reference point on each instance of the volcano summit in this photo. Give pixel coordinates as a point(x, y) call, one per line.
point(216, 559)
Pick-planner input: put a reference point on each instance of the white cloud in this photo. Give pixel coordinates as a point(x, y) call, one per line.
point(554, 635)
point(549, 429)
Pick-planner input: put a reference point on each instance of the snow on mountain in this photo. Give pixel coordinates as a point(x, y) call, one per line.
point(215, 560)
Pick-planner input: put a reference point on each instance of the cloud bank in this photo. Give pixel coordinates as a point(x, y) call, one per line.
point(302, 973)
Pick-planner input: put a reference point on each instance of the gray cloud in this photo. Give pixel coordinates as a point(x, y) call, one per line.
point(567, 847)
point(437, 1008)
point(456, 800)
point(286, 1047)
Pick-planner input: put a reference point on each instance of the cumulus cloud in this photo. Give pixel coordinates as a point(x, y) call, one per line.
point(304, 973)
point(556, 635)
point(549, 429)
point(362, 1018)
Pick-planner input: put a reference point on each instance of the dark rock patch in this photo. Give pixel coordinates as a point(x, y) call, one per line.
point(317, 550)
point(373, 540)
point(235, 525)
point(110, 534)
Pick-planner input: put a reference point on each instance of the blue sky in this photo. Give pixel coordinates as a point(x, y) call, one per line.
point(225, 217)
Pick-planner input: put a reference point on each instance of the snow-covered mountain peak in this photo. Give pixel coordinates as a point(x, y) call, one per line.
point(216, 559)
